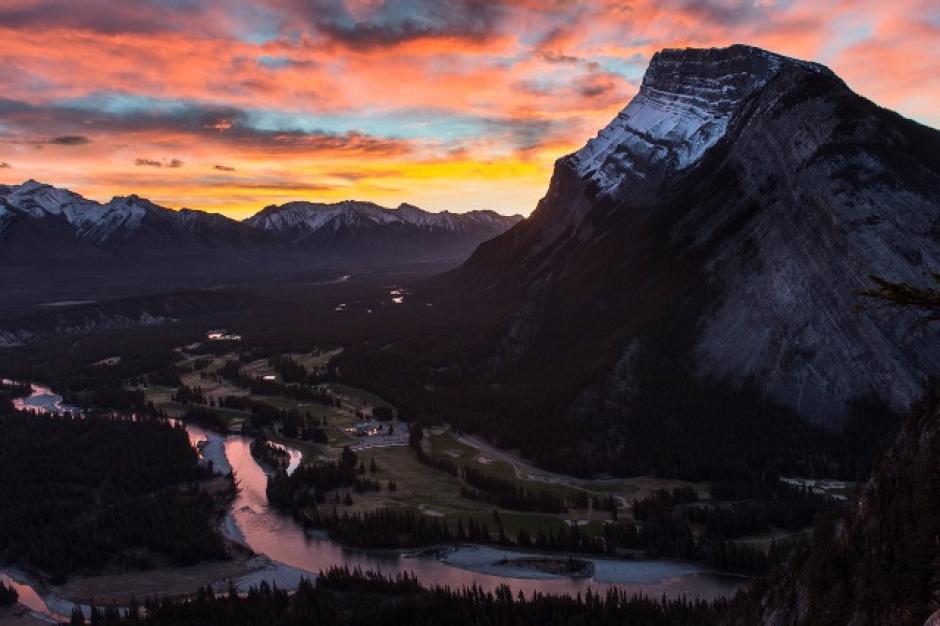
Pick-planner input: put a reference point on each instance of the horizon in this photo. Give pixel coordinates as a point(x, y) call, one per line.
point(251, 214)
point(495, 91)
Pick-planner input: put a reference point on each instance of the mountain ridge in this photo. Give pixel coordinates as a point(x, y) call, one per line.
point(703, 227)
point(131, 225)
point(738, 271)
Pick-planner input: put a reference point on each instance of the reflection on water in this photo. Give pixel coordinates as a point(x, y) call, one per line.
point(42, 400)
point(47, 608)
point(283, 540)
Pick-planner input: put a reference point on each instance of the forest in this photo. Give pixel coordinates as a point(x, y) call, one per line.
point(8, 595)
point(269, 454)
point(80, 495)
point(875, 562)
point(354, 598)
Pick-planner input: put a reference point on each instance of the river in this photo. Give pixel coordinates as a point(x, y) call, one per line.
point(297, 552)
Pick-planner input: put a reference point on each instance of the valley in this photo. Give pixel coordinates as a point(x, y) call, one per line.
point(286, 551)
point(696, 386)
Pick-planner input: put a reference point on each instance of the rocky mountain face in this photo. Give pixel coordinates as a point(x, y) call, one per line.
point(378, 231)
point(721, 225)
point(41, 221)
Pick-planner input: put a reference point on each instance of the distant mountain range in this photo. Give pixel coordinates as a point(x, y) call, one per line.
point(714, 234)
point(379, 231)
point(41, 222)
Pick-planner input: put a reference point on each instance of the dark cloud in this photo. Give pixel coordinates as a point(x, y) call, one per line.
point(557, 57)
point(721, 12)
point(207, 122)
point(395, 21)
point(173, 163)
point(103, 16)
point(69, 140)
point(4, 165)
point(223, 168)
point(522, 132)
point(599, 84)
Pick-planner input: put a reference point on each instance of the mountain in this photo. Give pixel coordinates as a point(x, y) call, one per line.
point(375, 231)
point(38, 220)
point(694, 270)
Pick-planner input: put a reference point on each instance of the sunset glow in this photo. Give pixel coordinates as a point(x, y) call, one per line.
point(229, 105)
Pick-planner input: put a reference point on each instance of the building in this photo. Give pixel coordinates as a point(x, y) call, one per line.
point(222, 335)
point(365, 429)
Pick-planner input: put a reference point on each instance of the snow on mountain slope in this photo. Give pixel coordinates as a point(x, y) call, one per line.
point(310, 217)
point(683, 107)
point(743, 260)
point(34, 215)
point(91, 220)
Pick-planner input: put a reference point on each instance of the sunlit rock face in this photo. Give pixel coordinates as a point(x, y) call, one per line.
point(739, 201)
point(683, 108)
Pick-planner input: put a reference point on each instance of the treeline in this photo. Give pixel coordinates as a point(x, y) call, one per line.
point(303, 494)
point(674, 524)
point(384, 528)
point(359, 581)
point(269, 454)
point(77, 495)
point(74, 366)
point(675, 424)
point(9, 391)
point(201, 409)
point(205, 416)
point(874, 562)
point(308, 485)
point(344, 598)
point(307, 391)
point(408, 528)
point(484, 487)
point(505, 494)
point(8, 595)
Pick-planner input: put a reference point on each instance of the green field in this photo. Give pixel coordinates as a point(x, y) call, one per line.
point(433, 492)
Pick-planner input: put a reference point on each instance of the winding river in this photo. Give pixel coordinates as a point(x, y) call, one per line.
point(296, 552)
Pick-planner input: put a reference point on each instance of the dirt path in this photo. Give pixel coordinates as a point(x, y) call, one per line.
point(527, 471)
point(524, 470)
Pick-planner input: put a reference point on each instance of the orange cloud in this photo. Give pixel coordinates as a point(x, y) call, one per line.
point(455, 105)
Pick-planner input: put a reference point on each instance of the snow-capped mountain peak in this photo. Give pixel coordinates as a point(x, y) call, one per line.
point(682, 108)
point(133, 225)
point(310, 217)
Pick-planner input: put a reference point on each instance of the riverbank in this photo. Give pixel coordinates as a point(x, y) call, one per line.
point(570, 567)
point(119, 589)
point(288, 552)
point(21, 615)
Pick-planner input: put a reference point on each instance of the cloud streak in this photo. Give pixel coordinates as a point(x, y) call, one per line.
point(172, 163)
point(454, 104)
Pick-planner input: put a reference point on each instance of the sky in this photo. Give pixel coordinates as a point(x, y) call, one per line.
point(232, 105)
